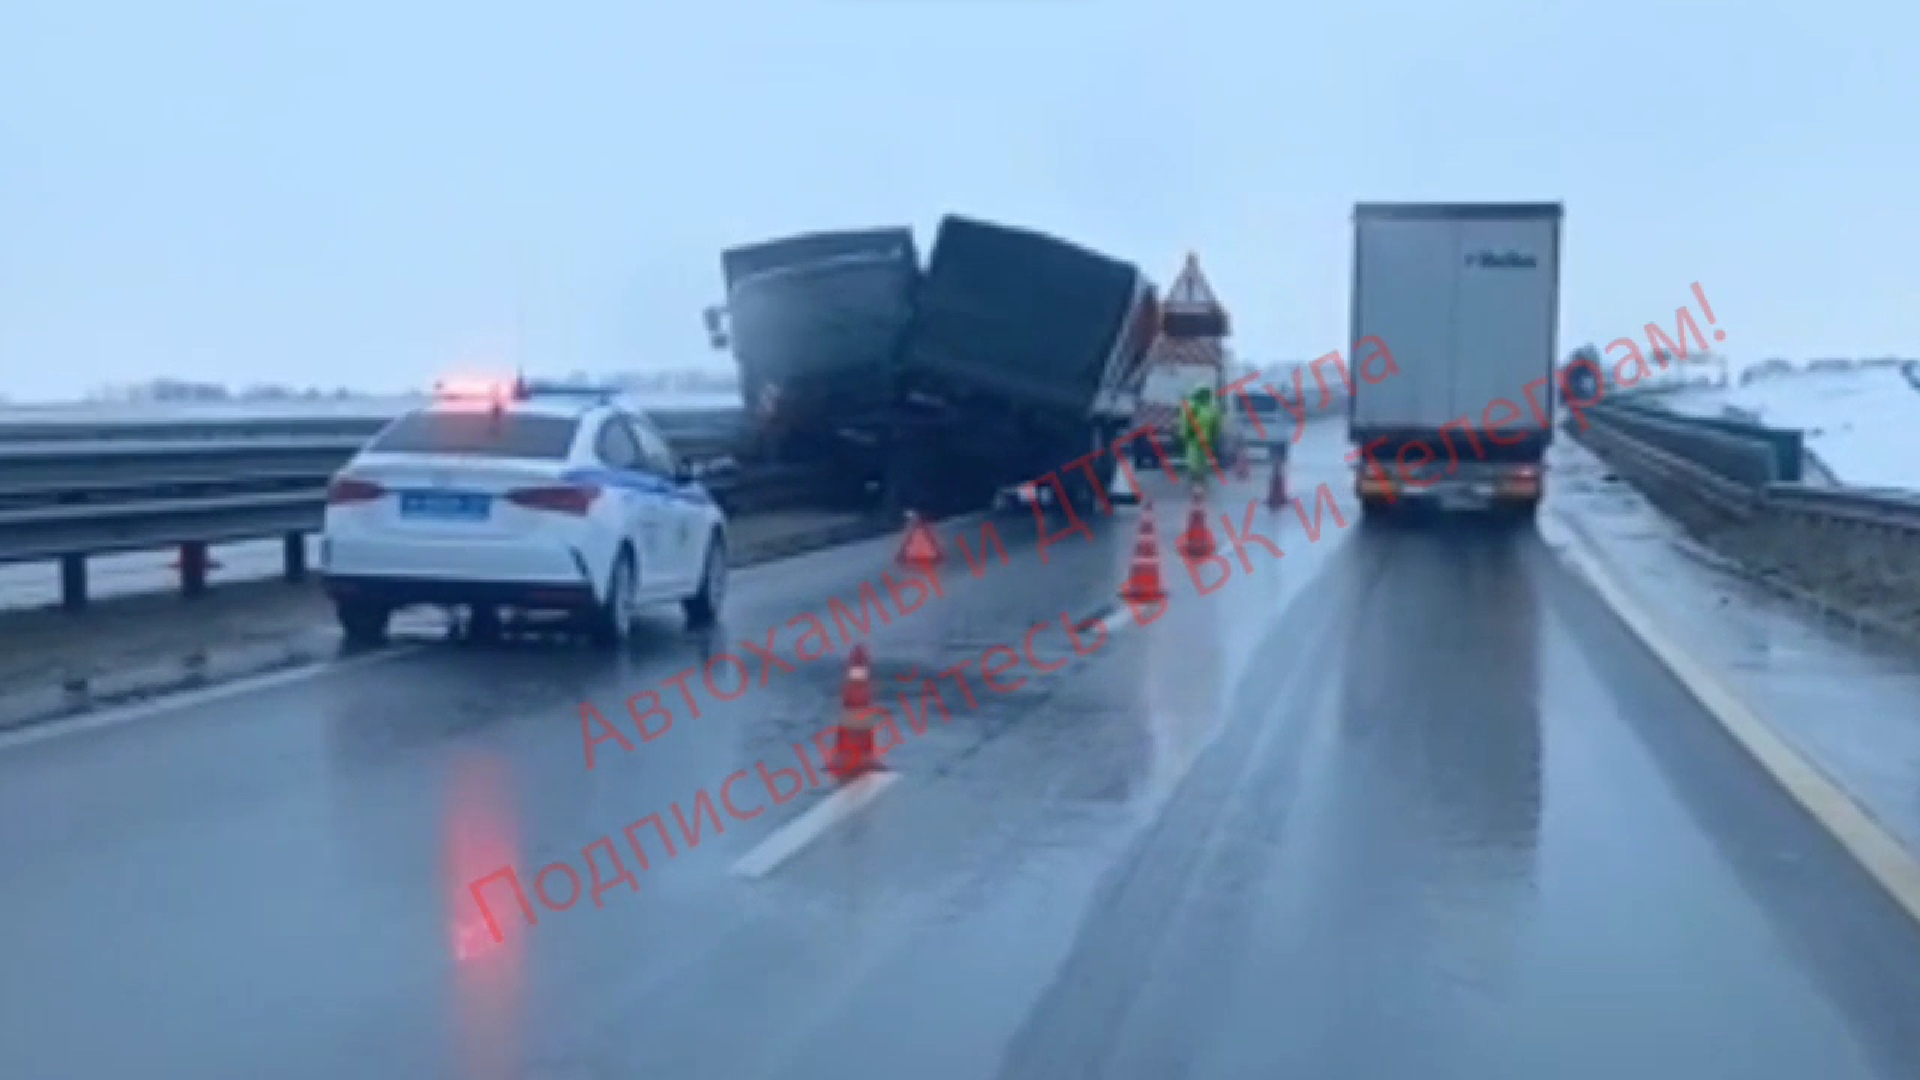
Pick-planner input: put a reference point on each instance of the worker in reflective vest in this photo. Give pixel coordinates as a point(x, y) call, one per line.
point(1200, 432)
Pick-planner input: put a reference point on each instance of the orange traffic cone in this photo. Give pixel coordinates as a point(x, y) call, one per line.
point(1143, 578)
point(853, 741)
point(1277, 485)
point(920, 547)
point(1197, 541)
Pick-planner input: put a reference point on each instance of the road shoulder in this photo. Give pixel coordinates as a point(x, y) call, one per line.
point(1790, 693)
point(148, 646)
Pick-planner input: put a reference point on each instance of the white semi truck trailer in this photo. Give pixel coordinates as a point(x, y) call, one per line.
point(1465, 298)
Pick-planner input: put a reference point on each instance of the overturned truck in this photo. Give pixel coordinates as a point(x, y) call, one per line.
point(816, 323)
point(1025, 354)
point(1014, 354)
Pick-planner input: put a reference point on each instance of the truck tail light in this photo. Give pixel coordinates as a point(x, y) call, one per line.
point(574, 499)
point(348, 490)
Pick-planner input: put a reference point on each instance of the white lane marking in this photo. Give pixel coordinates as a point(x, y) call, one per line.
point(789, 839)
point(795, 835)
point(1878, 851)
point(187, 699)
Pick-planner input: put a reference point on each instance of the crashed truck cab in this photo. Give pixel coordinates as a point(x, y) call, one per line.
point(1024, 358)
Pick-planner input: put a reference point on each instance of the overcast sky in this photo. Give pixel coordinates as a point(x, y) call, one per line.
point(376, 192)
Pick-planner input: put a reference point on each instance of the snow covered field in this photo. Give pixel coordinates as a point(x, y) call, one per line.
point(1863, 424)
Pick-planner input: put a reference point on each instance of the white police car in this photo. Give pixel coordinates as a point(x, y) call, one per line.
point(523, 497)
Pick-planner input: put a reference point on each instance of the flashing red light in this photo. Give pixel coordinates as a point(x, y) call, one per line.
point(346, 490)
point(575, 499)
point(495, 391)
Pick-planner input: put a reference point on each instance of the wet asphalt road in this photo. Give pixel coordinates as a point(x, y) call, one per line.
point(1403, 803)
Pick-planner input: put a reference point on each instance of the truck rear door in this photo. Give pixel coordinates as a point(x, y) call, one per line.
point(1404, 280)
point(1505, 301)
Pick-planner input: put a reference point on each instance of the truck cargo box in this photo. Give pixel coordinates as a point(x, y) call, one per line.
point(1465, 298)
point(1020, 316)
point(817, 321)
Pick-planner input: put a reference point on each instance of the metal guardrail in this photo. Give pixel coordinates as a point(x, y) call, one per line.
point(1788, 446)
point(1734, 459)
point(72, 489)
point(1896, 510)
point(1740, 456)
point(696, 432)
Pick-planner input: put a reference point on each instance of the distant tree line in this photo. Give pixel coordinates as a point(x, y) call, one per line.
point(179, 390)
point(1777, 366)
point(1771, 368)
point(691, 380)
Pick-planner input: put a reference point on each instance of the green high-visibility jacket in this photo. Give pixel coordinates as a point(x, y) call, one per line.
point(1200, 424)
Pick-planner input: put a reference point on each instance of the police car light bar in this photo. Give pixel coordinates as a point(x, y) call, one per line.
point(494, 390)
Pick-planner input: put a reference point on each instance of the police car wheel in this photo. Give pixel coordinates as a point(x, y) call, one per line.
point(703, 607)
point(613, 622)
point(1520, 513)
point(362, 622)
point(483, 623)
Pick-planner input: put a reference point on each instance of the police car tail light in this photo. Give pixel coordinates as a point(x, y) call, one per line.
point(1522, 479)
point(346, 490)
point(575, 499)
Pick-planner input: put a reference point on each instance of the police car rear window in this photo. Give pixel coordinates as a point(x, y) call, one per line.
point(479, 434)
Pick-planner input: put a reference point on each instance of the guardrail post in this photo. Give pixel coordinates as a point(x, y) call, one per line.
point(193, 567)
point(73, 582)
point(296, 556)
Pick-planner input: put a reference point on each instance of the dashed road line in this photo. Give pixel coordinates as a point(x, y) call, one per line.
point(1877, 851)
point(790, 839)
point(793, 837)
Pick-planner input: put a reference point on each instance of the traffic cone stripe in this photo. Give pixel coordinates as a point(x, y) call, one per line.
point(853, 751)
point(1197, 541)
point(920, 547)
point(1143, 577)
